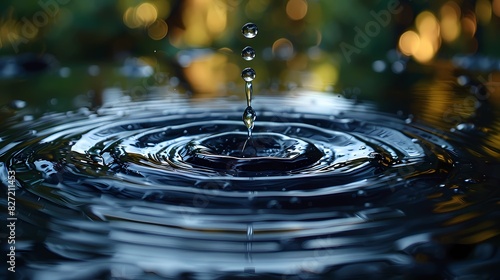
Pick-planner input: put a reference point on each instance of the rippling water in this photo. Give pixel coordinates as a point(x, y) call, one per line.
point(325, 189)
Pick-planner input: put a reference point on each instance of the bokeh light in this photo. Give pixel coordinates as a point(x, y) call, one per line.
point(483, 11)
point(450, 21)
point(496, 7)
point(469, 24)
point(146, 14)
point(296, 9)
point(424, 43)
point(158, 30)
point(140, 16)
point(409, 42)
point(282, 49)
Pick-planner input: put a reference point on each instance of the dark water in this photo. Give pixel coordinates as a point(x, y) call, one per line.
point(325, 189)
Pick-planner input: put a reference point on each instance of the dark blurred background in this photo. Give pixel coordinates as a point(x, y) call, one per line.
point(416, 57)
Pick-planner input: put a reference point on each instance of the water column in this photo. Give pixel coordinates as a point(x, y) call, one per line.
point(249, 30)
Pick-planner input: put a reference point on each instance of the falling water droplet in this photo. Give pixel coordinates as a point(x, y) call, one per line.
point(248, 119)
point(249, 30)
point(248, 74)
point(248, 53)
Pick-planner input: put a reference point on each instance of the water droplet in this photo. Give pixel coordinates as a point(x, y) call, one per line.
point(249, 30)
point(248, 74)
point(249, 118)
point(248, 53)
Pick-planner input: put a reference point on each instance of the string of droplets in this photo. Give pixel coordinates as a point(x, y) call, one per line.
point(249, 30)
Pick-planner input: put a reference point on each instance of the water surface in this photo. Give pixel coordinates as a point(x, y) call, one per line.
point(326, 188)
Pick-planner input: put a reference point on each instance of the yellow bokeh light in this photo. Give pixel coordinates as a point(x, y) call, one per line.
point(146, 13)
point(427, 23)
point(216, 18)
point(321, 77)
point(207, 74)
point(450, 21)
point(425, 51)
point(429, 39)
point(203, 21)
point(158, 30)
point(469, 25)
point(129, 18)
point(296, 9)
point(483, 11)
point(193, 16)
point(141, 16)
point(451, 9)
point(450, 29)
point(409, 42)
point(496, 7)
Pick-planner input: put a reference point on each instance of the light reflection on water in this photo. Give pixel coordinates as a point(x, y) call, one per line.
point(100, 196)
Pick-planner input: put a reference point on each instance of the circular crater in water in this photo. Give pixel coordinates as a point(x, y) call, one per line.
point(262, 154)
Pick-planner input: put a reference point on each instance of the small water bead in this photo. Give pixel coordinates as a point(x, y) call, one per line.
point(249, 118)
point(248, 53)
point(249, 30)
point(248, 74)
